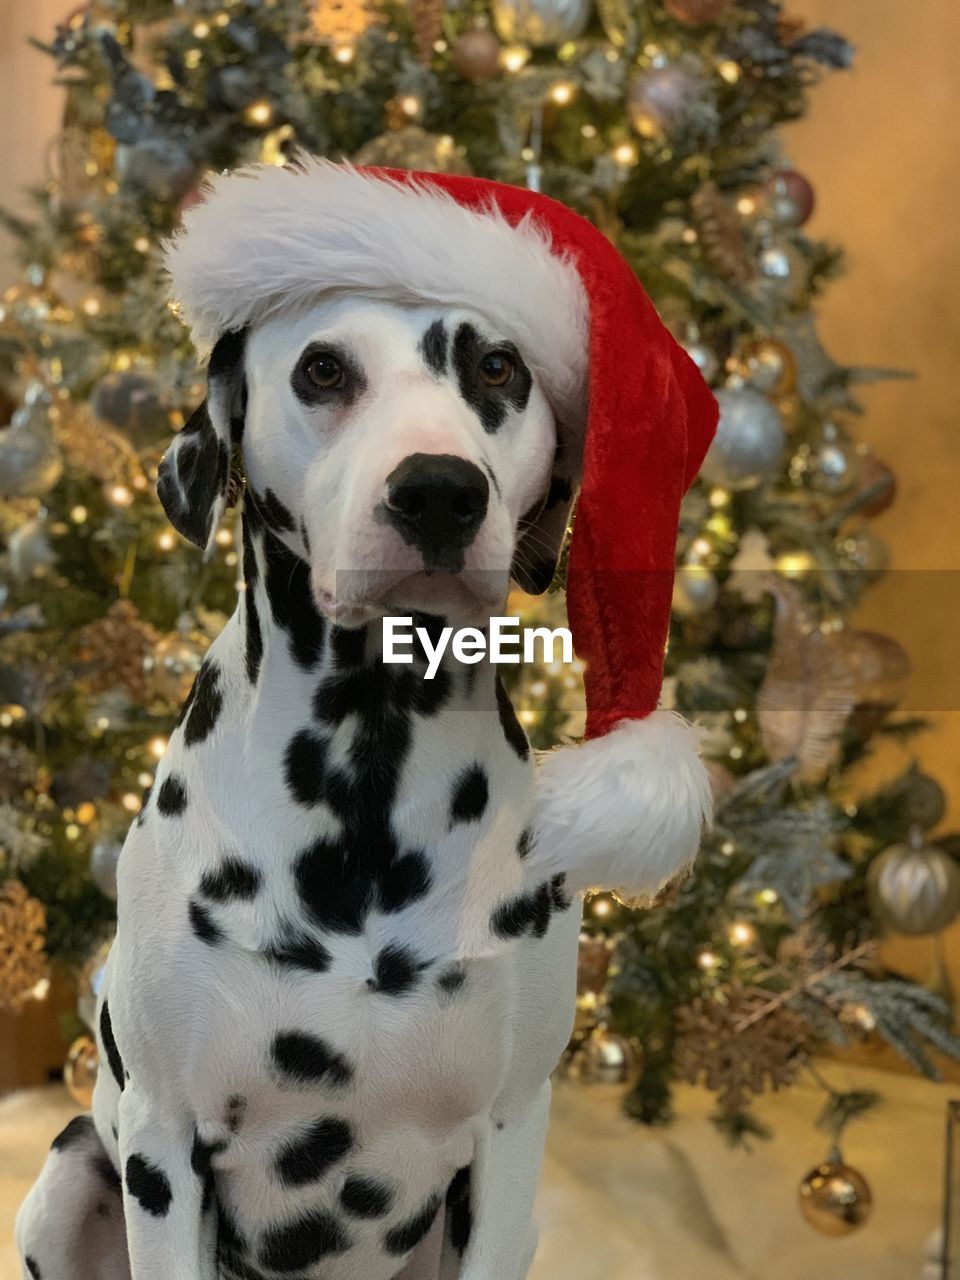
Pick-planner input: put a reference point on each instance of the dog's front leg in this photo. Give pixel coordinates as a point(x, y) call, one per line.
point(170, 1236)
point(504, 1174)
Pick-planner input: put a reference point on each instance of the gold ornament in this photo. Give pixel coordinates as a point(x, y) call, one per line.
point(768, 366)
point(98, 449)
point(736, 1048)
point(28, 311)
point(114, 649)
point(540, 22)
point(414, 148)
point(721, 234)
point(618, 21)
point(607, 1058)
point(915, 887)
point(835, 1198)
point(80, 1070)
point(341, 23)
point(173, 665)
point(476, 54)
point(23, 960)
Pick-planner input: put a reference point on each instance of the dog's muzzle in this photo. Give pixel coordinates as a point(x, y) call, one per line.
point(437, 503)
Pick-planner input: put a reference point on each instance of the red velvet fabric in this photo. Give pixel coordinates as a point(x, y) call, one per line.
point(651, 419)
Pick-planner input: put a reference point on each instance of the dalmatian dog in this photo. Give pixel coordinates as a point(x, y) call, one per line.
point(344, 965)
point(336, 992)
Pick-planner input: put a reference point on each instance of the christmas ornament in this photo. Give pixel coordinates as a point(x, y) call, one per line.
point(661, 99)
point(80, 1070)
point(131, 400)
point(113, 652)
point(173, 665)
point(706, 359)
point(29, 549)
point(864, 552)
point(697, 12)
point(28, 310)
point(920, 799)
point(540, 22)
point(835, 1198)
point(751, 566)
point(593, 961)
point(782, 272)
point(791, 198)
point(350, 228)
point(809, 689)
point(880, 670)
point(721, 233)
point(92, 446)
point(414, 148)
point(878, 480)
point(749, 443)
point(23, 960)
point(476, 54)
point(104, 857)
point(735, 1052)
point(915, 887)
point(768, 366)
point(30, 461)
point(341, 23)
point(695, 591)
point(607, 1058)
point(426, 17)
point(833, 467)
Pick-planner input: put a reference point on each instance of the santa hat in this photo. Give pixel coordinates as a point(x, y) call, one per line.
point(634, 420)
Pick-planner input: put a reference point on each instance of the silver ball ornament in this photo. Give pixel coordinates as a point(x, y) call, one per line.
point(865, 553)
point(658, 99)
point(29, 550)
point(705, 358)
point(833, 467)
point(695, 591)
point(750, 440)
point(540, 22)
point(30, 460)
point(915, 888)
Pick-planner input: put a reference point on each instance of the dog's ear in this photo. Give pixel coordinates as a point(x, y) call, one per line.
point(541, 532)
point(193, 479)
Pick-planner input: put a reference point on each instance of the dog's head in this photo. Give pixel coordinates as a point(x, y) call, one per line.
point(407, 453)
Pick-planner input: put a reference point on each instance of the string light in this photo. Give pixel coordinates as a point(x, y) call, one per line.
point(145, 779)
point(157, 746)
point(794, 564)
point(223, 538)
point(601, 906)
point(768, 897)
point(142, 244)
point(410, 104)
point(742, 934)
point(514, 57)
point(708, 960)
point(562, 93)
point(131, 802)
point(259, 113)
point(90, 306)
point(728, 848)
point(79, 514)
point(729, 71)
point(626, 154)
point(201, 29)
point(344, 54)
point(119, 495)
point(86, 813)
point(166, 541)
point(740, 714)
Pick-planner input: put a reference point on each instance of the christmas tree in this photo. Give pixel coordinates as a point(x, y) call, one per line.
point(657, 120)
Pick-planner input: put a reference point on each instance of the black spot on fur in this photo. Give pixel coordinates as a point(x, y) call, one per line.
point(298, 950)
point(525, 843)
point(233, 878)
point(226, 367)
point(287, 584)
point(489, 403)
point(193, 475)
point(560, 491)
point(206, 703)
point(305, 536)
point(234, 1112)
point(80, 1129)
point(452, 979)
point(529, 912)
point(149, 1186)
point(470, 796)
point(338, 893)
point(32, 1267)
point(433, 347)
point(401, 1239)
point(308, 1157)
point(459, 1214)
point(512, 729)
point(406, 880)
point(290, 1246)
point(102, 1166)
point(201, 1162)
point(203, 924)
point(302, 1058)
point(396, 971)
point(275, 514)
point(304, 767)
point(172, 797)
point(253, 639)
point(559, 897)
point(109, 1042)
point(366, 1197)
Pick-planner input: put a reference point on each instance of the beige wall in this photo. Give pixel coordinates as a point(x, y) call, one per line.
point(880, 146)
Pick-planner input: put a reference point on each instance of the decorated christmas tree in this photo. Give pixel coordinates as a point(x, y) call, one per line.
point(658, 120)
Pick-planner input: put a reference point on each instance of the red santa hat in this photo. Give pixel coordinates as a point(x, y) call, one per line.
point(634, 420)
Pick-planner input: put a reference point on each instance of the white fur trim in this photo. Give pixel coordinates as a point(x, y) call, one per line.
point(625, 810)
point(267, 238)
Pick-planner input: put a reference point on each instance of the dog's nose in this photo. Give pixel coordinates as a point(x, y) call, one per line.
point(437, 503)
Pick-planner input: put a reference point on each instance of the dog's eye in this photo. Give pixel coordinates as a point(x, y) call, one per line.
point(496, 369)
point(324, 371)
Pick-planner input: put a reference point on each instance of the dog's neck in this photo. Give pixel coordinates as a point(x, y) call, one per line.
point(285, 636)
